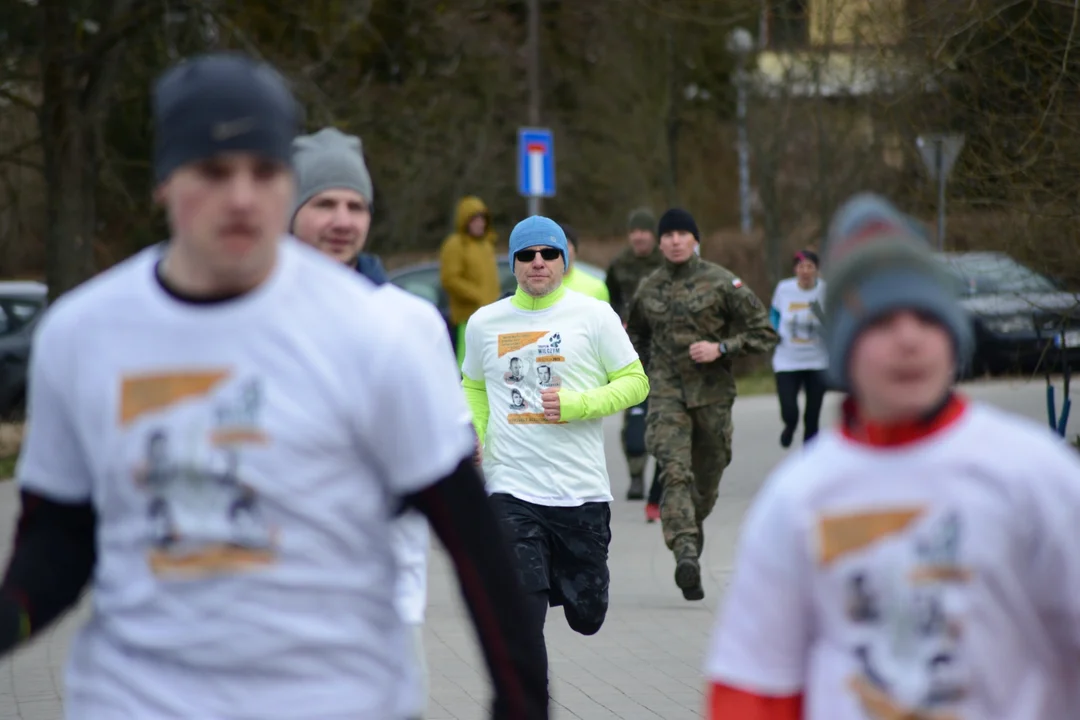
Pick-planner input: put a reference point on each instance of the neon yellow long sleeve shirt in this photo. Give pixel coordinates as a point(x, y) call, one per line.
point(626, 386)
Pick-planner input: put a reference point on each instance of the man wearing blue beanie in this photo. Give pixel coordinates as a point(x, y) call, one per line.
point(918, 561)
point(542, 369)
point(221, 430)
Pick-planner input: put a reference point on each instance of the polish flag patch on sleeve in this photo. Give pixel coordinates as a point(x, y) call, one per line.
point(737, 282)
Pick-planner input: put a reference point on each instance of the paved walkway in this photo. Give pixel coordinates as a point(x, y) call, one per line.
point(644, 664)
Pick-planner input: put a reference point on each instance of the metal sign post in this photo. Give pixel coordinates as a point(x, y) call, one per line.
point(536, 165)
point(939, 153)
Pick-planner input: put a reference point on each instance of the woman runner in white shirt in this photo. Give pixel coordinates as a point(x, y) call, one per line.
point(800, 359)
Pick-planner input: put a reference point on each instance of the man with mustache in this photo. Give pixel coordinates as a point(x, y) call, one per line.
point(233, 349)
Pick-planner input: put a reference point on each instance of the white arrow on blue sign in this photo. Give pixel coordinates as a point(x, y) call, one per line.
point(536, 162)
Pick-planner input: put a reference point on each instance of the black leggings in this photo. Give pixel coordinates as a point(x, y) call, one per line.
point(536, 607)
point(788, 385)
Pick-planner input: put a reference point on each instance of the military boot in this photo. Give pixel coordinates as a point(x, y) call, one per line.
point(688, 570)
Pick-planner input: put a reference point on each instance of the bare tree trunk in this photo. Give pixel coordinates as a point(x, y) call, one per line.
point(671, 123)
point(68, 198)
point(74, 91)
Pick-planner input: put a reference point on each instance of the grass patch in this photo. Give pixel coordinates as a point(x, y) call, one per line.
point(757, 382)
point(10, 440)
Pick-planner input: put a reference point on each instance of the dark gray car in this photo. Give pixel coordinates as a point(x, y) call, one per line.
point(21, 304)
point(1023, 320)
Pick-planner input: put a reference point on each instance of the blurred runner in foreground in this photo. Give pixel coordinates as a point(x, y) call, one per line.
point(220, 432)
point(918, 561)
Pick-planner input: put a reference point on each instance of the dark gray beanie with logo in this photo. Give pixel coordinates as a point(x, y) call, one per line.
point(877, 260)
point(327, 160)
point(218, 103)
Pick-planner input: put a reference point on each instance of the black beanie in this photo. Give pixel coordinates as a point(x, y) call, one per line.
point(221, 102)
point(677, 219)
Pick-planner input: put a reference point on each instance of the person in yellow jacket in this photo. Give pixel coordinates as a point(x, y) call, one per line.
point(576, 280)
point(467, 266)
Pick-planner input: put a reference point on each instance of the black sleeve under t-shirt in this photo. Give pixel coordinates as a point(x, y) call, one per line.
point(461, 516)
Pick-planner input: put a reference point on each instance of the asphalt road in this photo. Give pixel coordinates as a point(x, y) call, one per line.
point(645, 662)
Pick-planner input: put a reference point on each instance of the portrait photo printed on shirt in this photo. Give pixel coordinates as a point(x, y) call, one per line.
point(516, 371)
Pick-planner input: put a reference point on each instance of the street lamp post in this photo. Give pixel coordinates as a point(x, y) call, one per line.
point(740, 43)
point(534, 203)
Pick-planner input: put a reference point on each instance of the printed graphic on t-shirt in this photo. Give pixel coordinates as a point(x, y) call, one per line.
point(905, 599)
point(546, 378)
point(532, 368)
point(515, 374)
point(517, 401)
point(803, 323)
point(203, 518)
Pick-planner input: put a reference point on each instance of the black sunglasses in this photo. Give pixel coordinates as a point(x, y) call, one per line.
point(549, 254)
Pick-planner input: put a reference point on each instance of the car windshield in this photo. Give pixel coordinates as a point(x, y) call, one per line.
point(996, 275)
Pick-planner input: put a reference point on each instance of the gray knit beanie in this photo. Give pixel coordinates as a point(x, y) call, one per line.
point(327, 160)
point(877, 260)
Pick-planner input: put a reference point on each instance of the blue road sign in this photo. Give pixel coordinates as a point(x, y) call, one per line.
point(536, 162)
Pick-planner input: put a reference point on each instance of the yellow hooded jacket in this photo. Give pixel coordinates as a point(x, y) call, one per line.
point(468, 269)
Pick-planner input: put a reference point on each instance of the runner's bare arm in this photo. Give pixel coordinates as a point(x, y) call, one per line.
point(50, 566)
point(458, 510)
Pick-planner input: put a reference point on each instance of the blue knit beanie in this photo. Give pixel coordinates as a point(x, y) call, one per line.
point(877, 261)
point(538, 231)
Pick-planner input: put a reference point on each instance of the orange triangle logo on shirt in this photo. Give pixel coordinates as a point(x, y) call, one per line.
point(512, 342)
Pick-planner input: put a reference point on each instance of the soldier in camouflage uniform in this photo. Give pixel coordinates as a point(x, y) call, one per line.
point(688, 321)
point(641, 257)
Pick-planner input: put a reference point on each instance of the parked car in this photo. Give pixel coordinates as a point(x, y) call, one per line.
point(21, 304)
point(1021, 318)
point(423, 281)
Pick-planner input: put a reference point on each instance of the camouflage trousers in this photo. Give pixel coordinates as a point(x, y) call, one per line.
point(692, 446)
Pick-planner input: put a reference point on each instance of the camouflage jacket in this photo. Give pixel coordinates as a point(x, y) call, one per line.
point(679, 305)
point(625, 274)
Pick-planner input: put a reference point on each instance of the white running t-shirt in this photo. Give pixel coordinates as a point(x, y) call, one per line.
point(937, 579)
point(410, 533)
point(574, 345)
point(801, 345)
point(245, 459)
